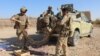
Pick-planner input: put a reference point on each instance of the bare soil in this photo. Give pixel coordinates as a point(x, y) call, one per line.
point(86, 47)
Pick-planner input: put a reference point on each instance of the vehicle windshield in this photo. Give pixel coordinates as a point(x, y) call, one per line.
point(84, 17)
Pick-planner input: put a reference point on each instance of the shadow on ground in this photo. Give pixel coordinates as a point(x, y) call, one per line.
point(13, 43)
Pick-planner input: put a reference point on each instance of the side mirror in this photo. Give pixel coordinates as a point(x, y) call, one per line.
point(78, 15)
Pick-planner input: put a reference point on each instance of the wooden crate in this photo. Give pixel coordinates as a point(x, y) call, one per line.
point(20, 53)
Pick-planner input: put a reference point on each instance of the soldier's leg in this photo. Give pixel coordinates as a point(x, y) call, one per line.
point(64, 46)
point(45, 36)
point(59, 50)
point(19, 34)
point(25, 39)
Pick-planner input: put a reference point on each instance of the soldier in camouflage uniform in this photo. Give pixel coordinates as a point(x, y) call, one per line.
point(63, 28)
point(51, 18)
point(39, 23)
point(45, 19)
point(21, 24)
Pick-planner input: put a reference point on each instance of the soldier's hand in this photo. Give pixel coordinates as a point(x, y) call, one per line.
point(18, 21)
point(49, 29)
point(26, 30)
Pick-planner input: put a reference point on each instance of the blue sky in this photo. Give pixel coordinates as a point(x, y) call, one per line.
point(36, 7)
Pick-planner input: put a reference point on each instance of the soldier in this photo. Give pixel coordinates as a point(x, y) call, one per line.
point(49, 11)
point(21, 24)
point(42, 21)
point(51, 16)
point(39, 24)
point(64, 28)
point(45, 19)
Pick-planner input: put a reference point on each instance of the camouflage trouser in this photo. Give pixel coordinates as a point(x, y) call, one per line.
point(45, 35)
point(61, 47)
point(22, 36)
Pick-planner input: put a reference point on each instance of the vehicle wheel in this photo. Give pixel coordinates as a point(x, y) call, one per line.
point(90, 33)
point(89, 36)
point(72, 41)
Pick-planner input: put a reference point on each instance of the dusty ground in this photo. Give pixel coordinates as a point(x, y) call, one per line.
point(86, 46)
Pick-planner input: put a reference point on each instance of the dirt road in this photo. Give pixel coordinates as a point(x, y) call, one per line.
point(86, 46)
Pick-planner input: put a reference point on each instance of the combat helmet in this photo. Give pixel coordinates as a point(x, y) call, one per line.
point(49, 7)
point(23, 9)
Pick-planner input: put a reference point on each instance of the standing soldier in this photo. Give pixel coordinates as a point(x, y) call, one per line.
point(64, 29)
point(21, 24)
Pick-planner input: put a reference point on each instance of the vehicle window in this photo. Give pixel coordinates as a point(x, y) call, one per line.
point(84, 18)
point(78, 15)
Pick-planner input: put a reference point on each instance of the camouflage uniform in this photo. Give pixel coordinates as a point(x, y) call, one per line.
point(63, 28)
point(45, 19)
point(45, 28)
point(21, 29)
point(39, 24)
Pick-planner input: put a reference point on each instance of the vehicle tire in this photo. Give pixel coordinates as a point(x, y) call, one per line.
point(73, 41)
point(90, 33)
